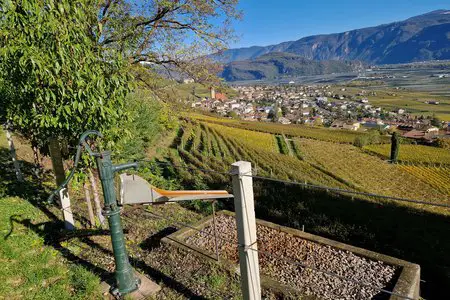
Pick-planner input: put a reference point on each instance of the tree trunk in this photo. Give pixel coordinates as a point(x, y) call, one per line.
point(12, 150)
point(58, 169)
point(98, 206)
point(87, 197)
point(395, 144)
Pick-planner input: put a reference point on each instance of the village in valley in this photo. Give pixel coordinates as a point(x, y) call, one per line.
point(333, 106)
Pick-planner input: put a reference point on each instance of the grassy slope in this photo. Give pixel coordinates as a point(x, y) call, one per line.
point(317, 133)
point(30, 269)
point(437, 177)
point(33, 257)
point(389, 227)
point(346, 163)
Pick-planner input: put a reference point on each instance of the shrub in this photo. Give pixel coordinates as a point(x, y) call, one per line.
point(442, 143)
point(361, 141)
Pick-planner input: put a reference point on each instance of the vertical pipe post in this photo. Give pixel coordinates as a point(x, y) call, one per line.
point(246, 227)
point(126, 280)
point(58, 169)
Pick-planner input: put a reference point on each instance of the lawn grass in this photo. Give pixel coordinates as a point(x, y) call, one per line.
point(31, 269)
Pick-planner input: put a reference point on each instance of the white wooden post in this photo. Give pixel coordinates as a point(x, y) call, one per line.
point(12, 150)
point(69, 223)
point(246, 227)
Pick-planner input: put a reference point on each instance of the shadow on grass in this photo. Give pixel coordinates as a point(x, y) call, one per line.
point(154, 241)
point(33, 191)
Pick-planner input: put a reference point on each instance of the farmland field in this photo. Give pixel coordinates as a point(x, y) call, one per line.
point(226, 145)
point(253, 139)
point(317, 133)
point(437, 177)
point(412, 101)
point(367, 172)
point(208, 145)
point(414, 153)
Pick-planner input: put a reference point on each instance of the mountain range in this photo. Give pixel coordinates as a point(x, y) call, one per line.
point(281, 64)
point(420, 38)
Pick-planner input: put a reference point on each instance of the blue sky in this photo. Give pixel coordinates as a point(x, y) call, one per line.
point(269, 22)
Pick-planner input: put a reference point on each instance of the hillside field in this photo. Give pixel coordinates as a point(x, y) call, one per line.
point(302, 131)
point(210, 143)
point(414, 153)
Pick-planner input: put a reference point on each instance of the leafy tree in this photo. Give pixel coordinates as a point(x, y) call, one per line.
point(68, 62)
point(66, 65)
point(361, 141)
point(435, 121)
point(284, 111)
point(395, 145)
point(233, 115)
point(61, 83)
point(442, 143)
point(168, 33)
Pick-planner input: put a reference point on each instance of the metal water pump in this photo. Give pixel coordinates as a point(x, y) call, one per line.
point(134, 190)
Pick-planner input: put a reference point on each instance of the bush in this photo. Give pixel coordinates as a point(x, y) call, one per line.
point(361, 141)
point(283, 147)
point(373, 137)
point(148, 118)
point(442, 143)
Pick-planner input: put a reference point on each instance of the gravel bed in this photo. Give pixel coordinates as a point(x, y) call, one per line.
point(305, 280)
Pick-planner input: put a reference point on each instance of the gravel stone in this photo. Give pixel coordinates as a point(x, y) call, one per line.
point(307, 281)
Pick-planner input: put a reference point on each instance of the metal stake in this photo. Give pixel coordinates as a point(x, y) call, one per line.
point(213, 204)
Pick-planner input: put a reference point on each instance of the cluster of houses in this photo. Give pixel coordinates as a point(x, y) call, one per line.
point(315, 105)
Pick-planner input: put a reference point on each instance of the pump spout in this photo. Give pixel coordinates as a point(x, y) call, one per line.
point(136, 190)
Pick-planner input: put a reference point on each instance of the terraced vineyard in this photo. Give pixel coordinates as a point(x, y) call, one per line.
point(213, 146)
point(253, 139)
point(366, 172)
point(316, 133)
point(414, 153)
point(413, 232)
point(437, 177)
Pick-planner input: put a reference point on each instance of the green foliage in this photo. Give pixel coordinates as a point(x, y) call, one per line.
point(282, 146)
point(373, 137)
point(361, 141)
point(233, 115)
point(395, 145)
point(435, 121)
point(148, 120)
point(442, 143)
point(59, 81)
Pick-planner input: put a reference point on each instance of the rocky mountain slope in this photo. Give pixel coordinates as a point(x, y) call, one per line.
point(281, 64)
point(424, 37)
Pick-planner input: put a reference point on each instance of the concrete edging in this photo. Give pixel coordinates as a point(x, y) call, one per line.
point(408, 282)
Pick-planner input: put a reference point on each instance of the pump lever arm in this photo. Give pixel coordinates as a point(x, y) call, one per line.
point(82, 142)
